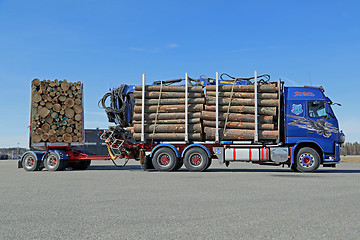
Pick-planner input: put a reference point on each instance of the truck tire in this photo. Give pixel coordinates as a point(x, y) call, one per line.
point(196, 160)
point(165, 160)
point(307, 160)
point(81, 165)
point(29, 163)
point(52, 162)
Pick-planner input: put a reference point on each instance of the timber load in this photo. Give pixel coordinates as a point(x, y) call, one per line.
point(164, 113)
point(237, 112)
point(56, 111)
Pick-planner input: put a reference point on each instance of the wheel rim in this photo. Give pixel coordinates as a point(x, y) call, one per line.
point(307, 160)
point(29, 162)
point(163, 159)
point(195, 159)
point(51, 161)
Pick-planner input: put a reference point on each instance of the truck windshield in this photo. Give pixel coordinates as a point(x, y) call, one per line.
point(317, 110)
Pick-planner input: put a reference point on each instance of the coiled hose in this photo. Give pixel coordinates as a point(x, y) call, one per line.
point(116, 112)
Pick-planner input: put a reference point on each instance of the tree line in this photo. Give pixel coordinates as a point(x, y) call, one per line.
point(350, 149)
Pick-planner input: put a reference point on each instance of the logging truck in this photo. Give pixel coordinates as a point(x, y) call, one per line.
point(192, 122)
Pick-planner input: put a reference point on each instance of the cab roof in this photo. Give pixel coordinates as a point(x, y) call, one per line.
point(305, 93)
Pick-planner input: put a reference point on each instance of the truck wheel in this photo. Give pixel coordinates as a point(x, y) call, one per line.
point(196, 160)
point(165, 160)
point(307, 160)
point(52, 162)
point(30, 163)
point(81, 165)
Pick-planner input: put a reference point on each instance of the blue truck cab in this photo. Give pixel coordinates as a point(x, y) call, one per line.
point(310, 123)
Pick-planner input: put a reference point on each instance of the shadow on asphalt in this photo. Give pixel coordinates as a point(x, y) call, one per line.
point(213, 170)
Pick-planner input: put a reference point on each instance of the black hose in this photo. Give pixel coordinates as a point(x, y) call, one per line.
point(117, 109)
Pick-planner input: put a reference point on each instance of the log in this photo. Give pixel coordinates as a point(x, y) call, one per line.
point(69, 130)
point(271, 111)
point(56, 107)
point(52, 138)
point(49, 119)
point(78, 117)
point(69, 102)
point(69, 112)
point(236, 117)
point(169, 121)
point(239, 125)
point(240, 134)
point(243, 102)
point(51, 132)
point(44, 137)
point(166, 128)
point(36, 97)
point(170, 101)
point(36, 138)
point(245, 88)
point(243, 95)
point(62, 98)
point(168, 88)
point(65, 85)
point(38, 131)
point(44, 112)
point(77, 101)
point(166, 116)
point(78, 109)
point(169, 136)
point(169, 108)
point(49, 105)
point(35, 82)
point(155, 95)
point(45, 127)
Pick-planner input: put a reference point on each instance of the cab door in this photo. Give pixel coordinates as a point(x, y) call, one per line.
point(322, 125)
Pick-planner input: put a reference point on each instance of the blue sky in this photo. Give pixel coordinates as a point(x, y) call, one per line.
point(108, 43)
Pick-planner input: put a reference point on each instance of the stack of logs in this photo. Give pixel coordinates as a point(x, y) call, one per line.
point(56, 111)
point(165, 113)
point(240, 117)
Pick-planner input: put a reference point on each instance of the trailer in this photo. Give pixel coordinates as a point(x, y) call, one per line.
point(305, 132)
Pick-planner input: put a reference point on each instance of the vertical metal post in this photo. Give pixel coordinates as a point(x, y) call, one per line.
point(143, 110)
point(279, 109)
point(256, 135)
point(217, 108)
point(186, 109)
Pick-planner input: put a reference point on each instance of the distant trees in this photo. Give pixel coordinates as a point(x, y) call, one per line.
point(350, 149)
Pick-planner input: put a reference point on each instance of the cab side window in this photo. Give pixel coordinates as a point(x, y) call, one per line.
point(317, 110)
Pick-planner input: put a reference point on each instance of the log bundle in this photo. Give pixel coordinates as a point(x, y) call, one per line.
point(165, 113)
point(237, 109)
point(56, 111)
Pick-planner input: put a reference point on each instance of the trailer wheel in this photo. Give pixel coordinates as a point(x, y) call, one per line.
point(81, 165)
point(52, 162)
point(196, 159)
point(307, 160)
point(30, 163)
point(165, 160)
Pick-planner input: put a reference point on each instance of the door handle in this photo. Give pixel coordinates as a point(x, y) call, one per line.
point(310, 131)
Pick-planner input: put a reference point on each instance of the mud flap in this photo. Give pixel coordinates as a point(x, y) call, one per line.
point(147, 164)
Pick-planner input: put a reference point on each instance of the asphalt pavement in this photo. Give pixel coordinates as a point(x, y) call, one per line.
point(243, 201)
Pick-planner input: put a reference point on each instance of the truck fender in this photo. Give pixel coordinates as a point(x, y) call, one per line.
point(61, 154)
point(196, 145)
point(302, 142)
point(165, 145)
